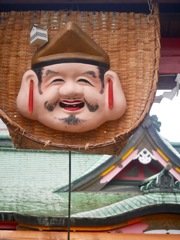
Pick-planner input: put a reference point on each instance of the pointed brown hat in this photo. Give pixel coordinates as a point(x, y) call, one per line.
point(71, 45)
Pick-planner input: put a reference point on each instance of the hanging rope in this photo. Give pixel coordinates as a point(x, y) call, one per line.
point(151, 8)
point(69, 198)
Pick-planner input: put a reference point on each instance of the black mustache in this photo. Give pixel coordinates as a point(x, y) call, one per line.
point(71, 120)
point(50, 107)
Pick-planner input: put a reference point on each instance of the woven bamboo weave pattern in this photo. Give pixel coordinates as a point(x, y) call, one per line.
point(132, 43)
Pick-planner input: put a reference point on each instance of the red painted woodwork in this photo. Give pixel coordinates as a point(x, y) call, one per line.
point(132, 228)
point(170, 47)
point(139, 171)
point(170, 56)
point(7, 225)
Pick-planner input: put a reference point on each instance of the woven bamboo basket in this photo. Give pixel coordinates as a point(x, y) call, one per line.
point(132, 43)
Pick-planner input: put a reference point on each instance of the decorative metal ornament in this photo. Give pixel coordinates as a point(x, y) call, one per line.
point(38, 36)
point(144, 156)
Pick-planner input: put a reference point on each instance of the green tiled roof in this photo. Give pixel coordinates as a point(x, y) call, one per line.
point(41, 169)
point(28, 178)
point(47, 204)
point(114, 210)
point(131, 204)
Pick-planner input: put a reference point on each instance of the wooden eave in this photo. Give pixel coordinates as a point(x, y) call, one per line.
point(147, 130)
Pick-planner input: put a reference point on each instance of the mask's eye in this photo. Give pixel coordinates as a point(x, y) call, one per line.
point(60, 80)
point(82, 80)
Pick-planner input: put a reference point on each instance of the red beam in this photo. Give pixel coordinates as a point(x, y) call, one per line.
point(8, 225)
point(170, 56)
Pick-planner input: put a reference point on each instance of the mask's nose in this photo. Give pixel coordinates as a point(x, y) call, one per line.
point(71, 89)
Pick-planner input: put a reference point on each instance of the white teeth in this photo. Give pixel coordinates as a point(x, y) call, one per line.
point(73, 104)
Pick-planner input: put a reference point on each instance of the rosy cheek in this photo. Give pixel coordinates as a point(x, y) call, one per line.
point(94, 91)
point(48, 95)
point(48, 88)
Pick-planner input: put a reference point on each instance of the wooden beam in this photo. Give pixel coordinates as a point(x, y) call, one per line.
point(25, 235)
point(83, 1)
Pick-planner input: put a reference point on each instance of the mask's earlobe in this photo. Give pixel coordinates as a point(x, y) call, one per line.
point(27, 94)
point(31, 96)
point(110, 94)
point(115, 98)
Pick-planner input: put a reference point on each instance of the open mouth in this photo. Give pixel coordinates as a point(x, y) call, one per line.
point(73, 105)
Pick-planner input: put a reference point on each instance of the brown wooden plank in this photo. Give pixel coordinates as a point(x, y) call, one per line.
point(12, 235)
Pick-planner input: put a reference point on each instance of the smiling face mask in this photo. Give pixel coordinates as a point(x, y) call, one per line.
point(70, 87)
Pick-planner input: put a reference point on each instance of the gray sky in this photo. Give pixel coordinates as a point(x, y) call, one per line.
point(168, 113)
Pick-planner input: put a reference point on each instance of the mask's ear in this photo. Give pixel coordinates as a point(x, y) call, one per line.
point(27, 95)
point(115, 98)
